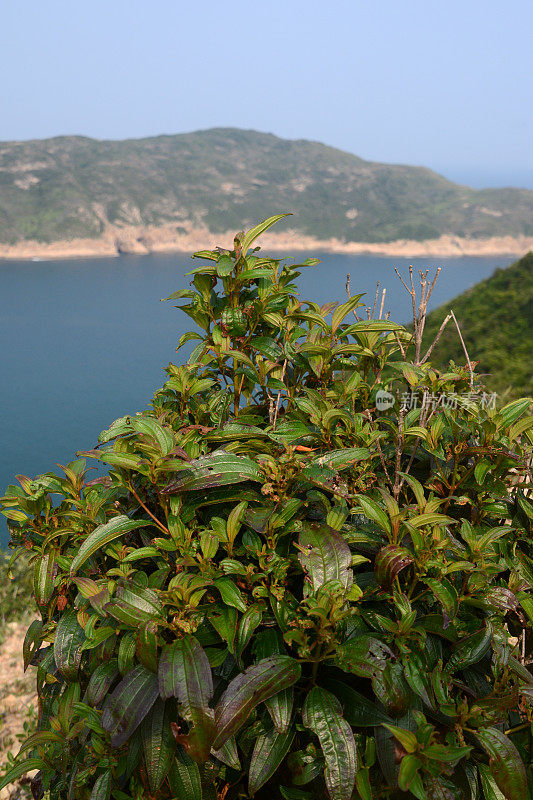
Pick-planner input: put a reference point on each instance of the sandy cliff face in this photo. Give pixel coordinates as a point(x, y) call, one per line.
point(141, 240)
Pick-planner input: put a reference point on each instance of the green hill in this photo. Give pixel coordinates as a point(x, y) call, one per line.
point(71, 187)
point(496, 320)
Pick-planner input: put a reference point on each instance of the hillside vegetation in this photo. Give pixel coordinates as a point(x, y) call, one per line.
point(75, 187)
point(496, 319)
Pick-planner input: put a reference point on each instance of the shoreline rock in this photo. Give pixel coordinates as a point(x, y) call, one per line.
point(137, 240)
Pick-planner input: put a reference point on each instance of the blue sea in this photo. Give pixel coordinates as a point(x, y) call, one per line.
point(83, 342)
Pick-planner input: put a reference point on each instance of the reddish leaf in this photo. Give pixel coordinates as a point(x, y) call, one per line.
point(390, 561)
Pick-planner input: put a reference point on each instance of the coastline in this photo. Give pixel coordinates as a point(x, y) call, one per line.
point(137, 240)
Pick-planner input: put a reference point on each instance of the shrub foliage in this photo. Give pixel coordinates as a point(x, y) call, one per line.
point(278, 589)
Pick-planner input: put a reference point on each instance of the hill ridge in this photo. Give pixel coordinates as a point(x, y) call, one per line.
point(158, 193)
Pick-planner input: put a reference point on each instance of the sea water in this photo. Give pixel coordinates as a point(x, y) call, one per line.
point(83, 342)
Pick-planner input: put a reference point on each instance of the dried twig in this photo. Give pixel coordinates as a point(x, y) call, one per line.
point(420, 313)
point(400, 345)
point(350, 296)
point(382, 303)
point(436, 339)
point(276, 411)
point(371, 314)
point(469, 363)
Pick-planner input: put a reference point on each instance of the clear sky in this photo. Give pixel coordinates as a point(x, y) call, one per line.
point(444, 83)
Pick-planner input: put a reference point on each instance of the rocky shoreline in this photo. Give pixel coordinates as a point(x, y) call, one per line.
point(137, 240)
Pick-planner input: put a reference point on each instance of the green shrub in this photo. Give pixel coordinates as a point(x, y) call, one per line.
point(15, 590)
point(280, 590)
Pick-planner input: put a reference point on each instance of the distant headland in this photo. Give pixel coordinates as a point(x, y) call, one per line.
point(73, 197)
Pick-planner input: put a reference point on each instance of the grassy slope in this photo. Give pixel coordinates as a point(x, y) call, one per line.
point(496, 319)
point(226, 178)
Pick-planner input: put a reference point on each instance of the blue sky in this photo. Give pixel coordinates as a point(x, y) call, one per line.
point(447, 84)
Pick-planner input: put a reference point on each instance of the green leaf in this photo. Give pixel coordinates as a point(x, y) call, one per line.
point(390, 561)
point(268, 347)
point(429, 519)
point(249, 622)
point(32, 642)
point(509, 414)
point(322, 714)
point(364, 656)
point(406, 738)
point(20, 769)
point(372, 326)
point(102, 787)
point(358, 710)
point(505, 764)
point(134, 605)
point(224, 265)
point(43, 578)
point(224, 621)
point(247, 690)
point(374, 512)
point(408, 769)
point(103, 535)
point(470, 650)
point(146, 645)
point(185, 673)
point(269, 751)
point(216, 469)
point(184, 777)
point(270, 643)
point(68, 641)
point(340, 459)
point(159, 745)
point(129, 704)
point(228, 754)
point(230, 593)
point(446, 594)
point(325, 556)
point(251, 235)
point(343, 310)
point(149, 426)
point(101, 680)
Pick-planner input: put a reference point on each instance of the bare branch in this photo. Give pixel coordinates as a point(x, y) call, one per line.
point(382, 303)
point(400, 345)
point(279, 395)
point(436, 339)
point(350, 296)
point(470, 369)
point(375, 301)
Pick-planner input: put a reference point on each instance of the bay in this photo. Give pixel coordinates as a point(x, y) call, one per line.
point(83, 342)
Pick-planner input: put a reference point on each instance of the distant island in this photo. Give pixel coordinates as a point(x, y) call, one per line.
point(72, 196)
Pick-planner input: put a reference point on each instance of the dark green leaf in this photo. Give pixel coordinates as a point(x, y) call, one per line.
point(103, 535)
point(325, 556)
point(322, 714)
point(358, 710)
point(20, 769)
point(390, 561)
point(269, 751)
point(184, 777)
point(102, 679)
point(185, 673)
point(129, 704)
point(102, 787)
point(505, 764)
point(159, 745)
point(217, 469)
point(470, 650)
point(247, 690)
point(364, 655)
point(68, 640)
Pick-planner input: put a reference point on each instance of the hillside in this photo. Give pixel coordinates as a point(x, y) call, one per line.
point(76, 188)
point(496, 319)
